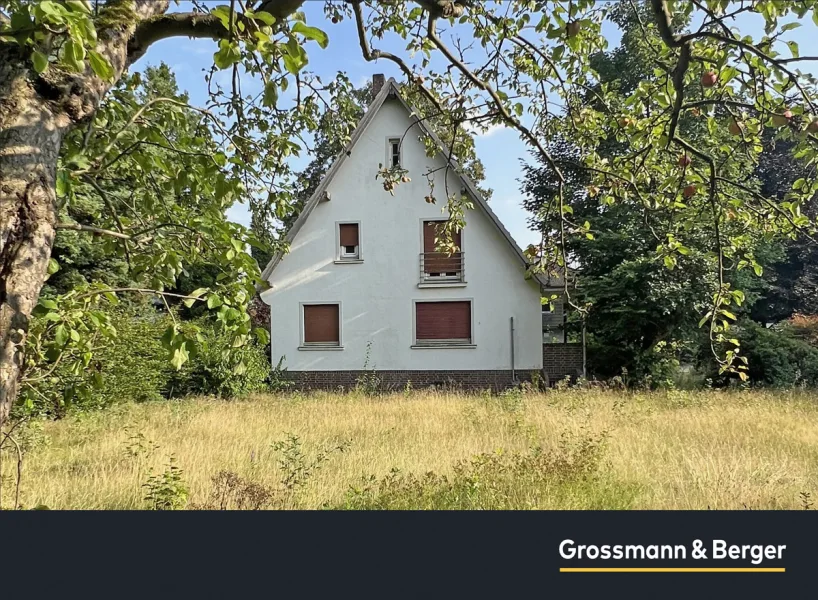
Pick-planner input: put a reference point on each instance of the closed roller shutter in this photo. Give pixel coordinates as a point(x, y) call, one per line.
point(439, 262)
point(321, 324)
point(349, 234)
point(443, 321)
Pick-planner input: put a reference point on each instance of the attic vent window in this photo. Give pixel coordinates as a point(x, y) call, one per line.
point(394, 152)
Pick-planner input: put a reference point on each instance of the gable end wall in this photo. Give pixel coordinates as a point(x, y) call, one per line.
point(377, 295)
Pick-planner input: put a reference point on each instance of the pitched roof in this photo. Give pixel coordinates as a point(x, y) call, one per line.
point(391, 90)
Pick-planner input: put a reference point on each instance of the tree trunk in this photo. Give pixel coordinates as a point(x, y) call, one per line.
point(30, 139)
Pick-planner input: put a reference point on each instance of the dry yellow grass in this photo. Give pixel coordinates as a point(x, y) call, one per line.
point(674, 450)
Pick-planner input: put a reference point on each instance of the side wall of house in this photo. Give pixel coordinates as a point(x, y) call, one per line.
point(376, 296)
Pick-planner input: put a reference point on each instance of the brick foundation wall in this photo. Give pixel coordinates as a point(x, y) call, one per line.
point(397, 380)
point(562, 360)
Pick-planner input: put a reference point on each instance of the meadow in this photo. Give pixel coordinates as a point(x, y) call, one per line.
point(568, 449)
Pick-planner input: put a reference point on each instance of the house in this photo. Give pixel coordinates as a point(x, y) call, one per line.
point(363, 289)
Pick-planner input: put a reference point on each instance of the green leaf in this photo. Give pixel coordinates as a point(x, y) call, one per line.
point(180, 356)
point(262, 335)
point(100, 65)
point(270, 94)
point(39, 60)
point(60, 334)
point(789, 26)
point(240, 369)
point(222, 13)
point(73, 55)
point(53, 266)
point(213, 301)
point(227, 55)
point(311, 33)
point(265, 17)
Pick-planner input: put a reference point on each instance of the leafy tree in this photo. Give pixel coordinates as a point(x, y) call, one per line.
point(791, 279)
point(513, 64)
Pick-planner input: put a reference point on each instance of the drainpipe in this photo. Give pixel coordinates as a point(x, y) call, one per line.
point(584, 372)
point(513, 372)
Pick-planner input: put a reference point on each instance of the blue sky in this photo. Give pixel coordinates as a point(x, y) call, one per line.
point(499, 149)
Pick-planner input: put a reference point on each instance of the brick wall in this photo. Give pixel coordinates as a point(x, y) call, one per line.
point(561, 360)
point(396, 380)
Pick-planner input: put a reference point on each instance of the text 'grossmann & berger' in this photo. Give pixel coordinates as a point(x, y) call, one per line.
point(720, 550)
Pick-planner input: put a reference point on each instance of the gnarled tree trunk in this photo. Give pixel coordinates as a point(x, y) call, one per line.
point(30, 139)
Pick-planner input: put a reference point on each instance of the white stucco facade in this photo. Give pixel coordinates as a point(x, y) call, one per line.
point(377, 294)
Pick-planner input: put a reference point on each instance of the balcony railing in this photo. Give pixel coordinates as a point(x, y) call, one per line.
point(439, 267)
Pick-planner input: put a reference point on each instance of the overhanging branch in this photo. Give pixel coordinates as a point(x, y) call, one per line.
point(195, 25)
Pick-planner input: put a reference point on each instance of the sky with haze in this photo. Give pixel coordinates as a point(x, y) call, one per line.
point(499, 149)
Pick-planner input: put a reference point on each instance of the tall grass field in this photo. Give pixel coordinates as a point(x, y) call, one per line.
point(571, 449)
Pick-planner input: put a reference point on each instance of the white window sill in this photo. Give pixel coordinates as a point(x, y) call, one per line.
point(442, 284)
point(443, 346)
point(348, 261)
point(321, 348)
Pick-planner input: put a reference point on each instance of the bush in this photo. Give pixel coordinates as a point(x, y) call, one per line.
point(131, 366)
point(135, 365)
point(778, 357)
point(218, 369)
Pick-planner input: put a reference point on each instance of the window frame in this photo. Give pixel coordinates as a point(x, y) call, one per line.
point(340, 256)
point(444, 280)
point(304, 345)
point(442, 344)
point(390, 154)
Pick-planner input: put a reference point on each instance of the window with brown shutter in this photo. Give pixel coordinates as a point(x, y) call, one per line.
point(322, 325)
point(440, 264)
point(443, 323)
point(349, 239)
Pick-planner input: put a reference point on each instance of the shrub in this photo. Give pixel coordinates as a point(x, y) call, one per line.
point(166, 490)
point(135, 365)
point(777, 357)
point(218, 369)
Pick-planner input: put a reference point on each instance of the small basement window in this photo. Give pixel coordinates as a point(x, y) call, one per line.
point(443, 323)
point(394, 152)
point(322, 325)
point(350, 241)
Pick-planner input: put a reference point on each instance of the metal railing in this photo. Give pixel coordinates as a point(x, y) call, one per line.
point(439, 267)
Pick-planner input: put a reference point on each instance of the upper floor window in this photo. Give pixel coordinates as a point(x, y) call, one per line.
point(436, 266)
point(349, 241)
point(394, 152)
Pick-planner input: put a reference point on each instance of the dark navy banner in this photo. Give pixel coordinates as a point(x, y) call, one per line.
point(713, 554)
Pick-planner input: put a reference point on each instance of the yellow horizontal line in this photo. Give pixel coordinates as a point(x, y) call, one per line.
point(672, 570)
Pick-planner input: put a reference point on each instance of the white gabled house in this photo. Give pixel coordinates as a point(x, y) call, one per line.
point(363, 289)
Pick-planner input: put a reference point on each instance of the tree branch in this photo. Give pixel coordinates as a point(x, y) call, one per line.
point(90, 229)
point(195, 25)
